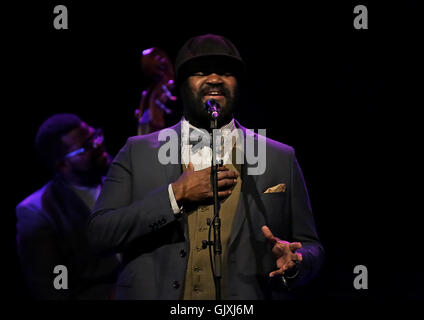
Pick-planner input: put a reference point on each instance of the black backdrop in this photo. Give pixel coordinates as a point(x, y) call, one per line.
point(343, 98)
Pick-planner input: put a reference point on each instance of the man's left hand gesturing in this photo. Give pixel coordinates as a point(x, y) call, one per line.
point(284, 251)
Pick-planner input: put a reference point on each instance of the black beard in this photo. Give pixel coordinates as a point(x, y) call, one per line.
point(196, 113)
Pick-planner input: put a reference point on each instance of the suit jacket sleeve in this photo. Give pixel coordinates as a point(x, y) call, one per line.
point(118, 219)
point(39, 253)
point(303, 227)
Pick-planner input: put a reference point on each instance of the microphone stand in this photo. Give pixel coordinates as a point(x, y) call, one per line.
point(216, 222)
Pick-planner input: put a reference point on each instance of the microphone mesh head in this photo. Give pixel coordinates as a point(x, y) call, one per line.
point(212, 107)
point(211, 103)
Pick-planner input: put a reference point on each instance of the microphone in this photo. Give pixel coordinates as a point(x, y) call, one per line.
point(213, 108)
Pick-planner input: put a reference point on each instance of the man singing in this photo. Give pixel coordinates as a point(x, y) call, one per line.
point(158, 215)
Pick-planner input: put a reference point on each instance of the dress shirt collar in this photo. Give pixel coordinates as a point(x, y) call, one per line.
point(230, 126)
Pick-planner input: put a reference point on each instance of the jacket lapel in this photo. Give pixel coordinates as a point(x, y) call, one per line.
point(64, 206)
point(247, 203)
point(174, 171)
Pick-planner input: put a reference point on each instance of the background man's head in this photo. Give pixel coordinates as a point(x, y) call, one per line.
point(209, 67)
point(69, 146)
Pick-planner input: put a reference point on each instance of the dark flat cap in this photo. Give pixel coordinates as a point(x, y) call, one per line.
point(208, 52)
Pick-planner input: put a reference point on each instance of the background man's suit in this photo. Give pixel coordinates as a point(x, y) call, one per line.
point(51, 225)
point(133, 216)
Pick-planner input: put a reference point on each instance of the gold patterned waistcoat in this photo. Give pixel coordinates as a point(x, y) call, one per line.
point(199, 284)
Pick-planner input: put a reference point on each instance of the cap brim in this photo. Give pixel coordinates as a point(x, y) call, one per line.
point(214, 63)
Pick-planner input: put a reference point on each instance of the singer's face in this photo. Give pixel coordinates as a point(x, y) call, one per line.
point(202, 86)
point(219, 87)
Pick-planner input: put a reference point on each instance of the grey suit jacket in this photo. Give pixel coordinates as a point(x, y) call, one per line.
point(133, 216)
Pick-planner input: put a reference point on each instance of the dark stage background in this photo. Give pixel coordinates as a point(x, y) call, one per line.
point(345, 99)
